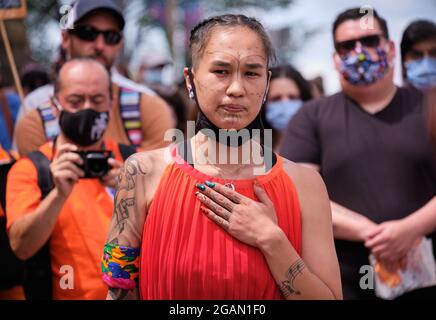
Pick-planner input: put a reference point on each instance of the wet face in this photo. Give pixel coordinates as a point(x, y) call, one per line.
point(84, 85)
point(231, 77)
point(97, 49)
point(283, 89)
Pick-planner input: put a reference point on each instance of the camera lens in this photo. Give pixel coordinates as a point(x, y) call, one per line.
point(97, 167)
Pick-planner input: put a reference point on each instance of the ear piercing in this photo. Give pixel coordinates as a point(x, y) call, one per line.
point(191, 94)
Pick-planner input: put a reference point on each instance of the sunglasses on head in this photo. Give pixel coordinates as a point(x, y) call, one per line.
point(88, 33)
point(371, 41)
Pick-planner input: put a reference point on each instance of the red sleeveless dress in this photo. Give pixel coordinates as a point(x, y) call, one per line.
point(185, 255)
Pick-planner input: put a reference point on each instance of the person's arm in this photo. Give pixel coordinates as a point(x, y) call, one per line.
point(347, 224)
point(314, 275)
point(350, 225)
point(391, 240)
point(29, 133)
point(156, 118)
point(424, 219)
point(28, 233)
point(130, 210)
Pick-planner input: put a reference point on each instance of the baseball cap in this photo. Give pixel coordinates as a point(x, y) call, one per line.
point(83, 8)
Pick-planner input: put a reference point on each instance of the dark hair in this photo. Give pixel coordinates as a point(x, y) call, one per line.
point(200, 34)
point(358, 13)
point(417, 31)
point(33, 76)
point(57, 79)
point(288, 71)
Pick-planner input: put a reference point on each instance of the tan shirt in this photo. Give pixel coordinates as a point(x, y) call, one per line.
point(156, 119)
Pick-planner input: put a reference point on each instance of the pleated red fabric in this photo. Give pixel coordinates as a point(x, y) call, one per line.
point(185, 255)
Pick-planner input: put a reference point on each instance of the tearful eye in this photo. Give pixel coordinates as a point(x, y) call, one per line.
point(220, 72)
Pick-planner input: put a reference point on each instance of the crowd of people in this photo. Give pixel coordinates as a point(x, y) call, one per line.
point(97, 202)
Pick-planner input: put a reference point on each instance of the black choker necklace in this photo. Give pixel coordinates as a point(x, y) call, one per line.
point(184, 149)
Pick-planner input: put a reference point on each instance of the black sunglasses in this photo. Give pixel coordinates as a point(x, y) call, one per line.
point(371, 41)
point(88, 33)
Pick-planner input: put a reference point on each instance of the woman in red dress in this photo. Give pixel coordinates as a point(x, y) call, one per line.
point(199, 226)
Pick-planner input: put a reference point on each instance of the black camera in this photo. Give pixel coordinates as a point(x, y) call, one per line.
point(95, 163)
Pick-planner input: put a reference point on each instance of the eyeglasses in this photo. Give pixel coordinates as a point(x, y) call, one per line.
point(371, 41)
point(88, 33)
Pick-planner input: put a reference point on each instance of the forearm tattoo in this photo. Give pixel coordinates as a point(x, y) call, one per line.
point(126, 182)
point(287, 287)
point(121, 211)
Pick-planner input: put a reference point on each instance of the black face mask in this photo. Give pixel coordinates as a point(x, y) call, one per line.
point(203, 122)
point(84, 127)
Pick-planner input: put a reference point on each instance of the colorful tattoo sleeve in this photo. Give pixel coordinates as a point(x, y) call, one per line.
point(120, 266)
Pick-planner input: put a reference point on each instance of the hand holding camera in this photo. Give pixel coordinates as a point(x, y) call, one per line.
point(101, 165)
point(65, 169)
point(110, 179)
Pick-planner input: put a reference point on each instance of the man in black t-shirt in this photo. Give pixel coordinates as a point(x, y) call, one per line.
point(370, 144)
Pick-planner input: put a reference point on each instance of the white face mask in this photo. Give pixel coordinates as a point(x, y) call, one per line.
point(279, 113)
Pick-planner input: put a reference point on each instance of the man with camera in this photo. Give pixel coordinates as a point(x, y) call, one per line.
point(139, 117)
point(73, 215)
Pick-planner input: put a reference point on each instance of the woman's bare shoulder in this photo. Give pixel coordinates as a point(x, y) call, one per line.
point(308, 183)
point(301, 175)
point(150, 162)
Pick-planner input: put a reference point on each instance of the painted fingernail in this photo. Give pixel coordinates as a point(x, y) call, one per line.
point(210, 184)
point(200, 187)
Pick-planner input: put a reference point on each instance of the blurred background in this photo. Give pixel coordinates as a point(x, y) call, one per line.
point(300, 29)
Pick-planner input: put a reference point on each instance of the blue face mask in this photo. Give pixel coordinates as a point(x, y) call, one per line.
point(279, 113)
point(153, 76)
point(359, 69)
point(422, 73)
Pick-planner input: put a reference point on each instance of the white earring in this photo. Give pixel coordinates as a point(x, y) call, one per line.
point(191, 94)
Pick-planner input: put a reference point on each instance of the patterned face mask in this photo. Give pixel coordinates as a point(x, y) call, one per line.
point(359, 69)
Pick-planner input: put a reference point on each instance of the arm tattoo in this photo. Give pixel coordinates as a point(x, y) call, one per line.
point(121, 211)
point(287, 287)
point(127, 178)
point(126, 181)
point(118, 294)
